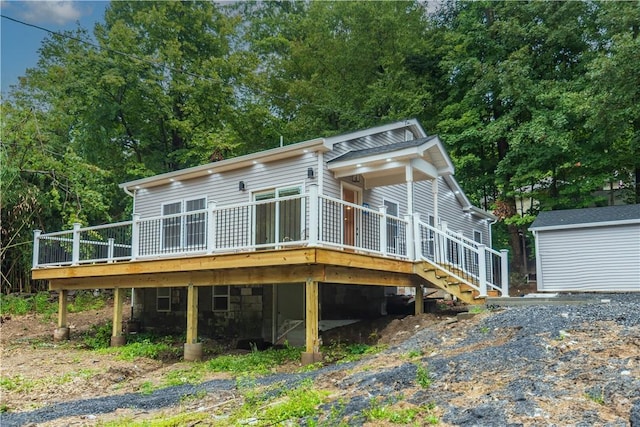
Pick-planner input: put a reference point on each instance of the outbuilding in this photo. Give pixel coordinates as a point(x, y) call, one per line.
point(588, 250)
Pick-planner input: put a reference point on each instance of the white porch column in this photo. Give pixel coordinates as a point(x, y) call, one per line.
point(314, 214)
point(135, 236)
point(434, 190)
point(409, 178)
point(36, 247)
point(211, 227)
point(383, 230)
point(411, 252)
point(482, 270)
point(75, 251)
point(504, 272)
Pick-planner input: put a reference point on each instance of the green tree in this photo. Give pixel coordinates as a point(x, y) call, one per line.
point(328, 67)
point(513, 117)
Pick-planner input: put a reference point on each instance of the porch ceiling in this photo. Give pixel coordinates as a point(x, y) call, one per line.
point(389, 164)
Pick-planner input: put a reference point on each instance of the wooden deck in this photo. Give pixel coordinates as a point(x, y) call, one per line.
point(248, 268)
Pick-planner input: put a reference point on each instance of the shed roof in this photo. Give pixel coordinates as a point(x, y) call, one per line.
point(587, 217)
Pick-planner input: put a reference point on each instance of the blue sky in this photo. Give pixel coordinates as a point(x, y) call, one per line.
point(19, 43)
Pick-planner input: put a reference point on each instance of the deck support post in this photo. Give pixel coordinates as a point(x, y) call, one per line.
point(117, 338)
point(419, 301)
point(192, 348)
point(61, 333)
point(312, 352)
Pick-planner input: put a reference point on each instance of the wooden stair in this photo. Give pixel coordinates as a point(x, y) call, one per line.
point(446, 281)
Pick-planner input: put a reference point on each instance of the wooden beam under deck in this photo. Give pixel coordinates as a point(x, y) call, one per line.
point(244, 276)
point(282, 257)
point(259, 268)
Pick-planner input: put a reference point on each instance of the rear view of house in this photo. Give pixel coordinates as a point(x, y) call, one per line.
point(277, 244)
point(594, 249)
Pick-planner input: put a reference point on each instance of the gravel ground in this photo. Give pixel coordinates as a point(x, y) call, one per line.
point(547, 365)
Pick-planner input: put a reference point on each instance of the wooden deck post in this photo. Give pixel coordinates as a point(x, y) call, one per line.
point(419, 301)
point(61, 333)
point(117, 339)
point(192, 348)
point(312, 353)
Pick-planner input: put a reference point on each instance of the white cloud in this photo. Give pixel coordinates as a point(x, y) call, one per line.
point(51, 12)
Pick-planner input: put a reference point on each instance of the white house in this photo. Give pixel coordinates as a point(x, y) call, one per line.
point(269, 244)
point(593, 249)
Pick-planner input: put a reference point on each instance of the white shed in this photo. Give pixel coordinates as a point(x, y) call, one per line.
point(588, 250)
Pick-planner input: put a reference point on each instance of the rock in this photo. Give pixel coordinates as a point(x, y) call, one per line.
point(634, 416)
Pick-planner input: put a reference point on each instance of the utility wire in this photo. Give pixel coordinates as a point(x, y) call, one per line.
point(127, 55)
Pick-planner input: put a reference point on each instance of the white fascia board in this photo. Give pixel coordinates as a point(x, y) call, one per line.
point(586, 225)
point(404, 154)
point(230, 164)
point(375, 130)
point(363, 170)
point(482, 213)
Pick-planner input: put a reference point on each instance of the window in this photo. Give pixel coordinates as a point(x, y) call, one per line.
point(221, 298)
point(195, 224)
point(184, 231)
point(477, 236)
point(163, 299)
point(281, 218)
point(171, 226)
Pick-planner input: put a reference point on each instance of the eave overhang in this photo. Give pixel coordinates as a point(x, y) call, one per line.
point(388, 165)
point(279, 153)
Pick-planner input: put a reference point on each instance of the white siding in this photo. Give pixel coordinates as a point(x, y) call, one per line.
point(589, 259)
point(223, 187)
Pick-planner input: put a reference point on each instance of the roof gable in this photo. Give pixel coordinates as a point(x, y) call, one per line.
point(587, 217)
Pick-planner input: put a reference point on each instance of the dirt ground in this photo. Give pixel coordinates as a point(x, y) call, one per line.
point(599, 359)
point(54, 372)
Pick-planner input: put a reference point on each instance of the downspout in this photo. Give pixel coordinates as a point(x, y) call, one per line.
point(491, 222)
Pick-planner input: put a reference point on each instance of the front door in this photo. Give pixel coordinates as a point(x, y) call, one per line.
point(350, 216)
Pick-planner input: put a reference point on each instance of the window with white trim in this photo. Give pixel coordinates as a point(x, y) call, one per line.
point(163, 299)
point(220, 298)
point(477, 236)
point(184, 231)
point(282, 218)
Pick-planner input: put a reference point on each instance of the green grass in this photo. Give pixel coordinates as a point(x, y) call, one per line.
point(343, 353)
point(417, 415)
point(85, 301)
point(43, 303)
point(20, 305)
point(423, 378)
point(183, 419)
point(256, 362)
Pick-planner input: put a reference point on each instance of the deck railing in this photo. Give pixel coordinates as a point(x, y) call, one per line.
point(477, 265)
point(306, 219)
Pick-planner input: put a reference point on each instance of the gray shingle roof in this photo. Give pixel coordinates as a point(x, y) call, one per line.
point(356, 154)
point(576, 217)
